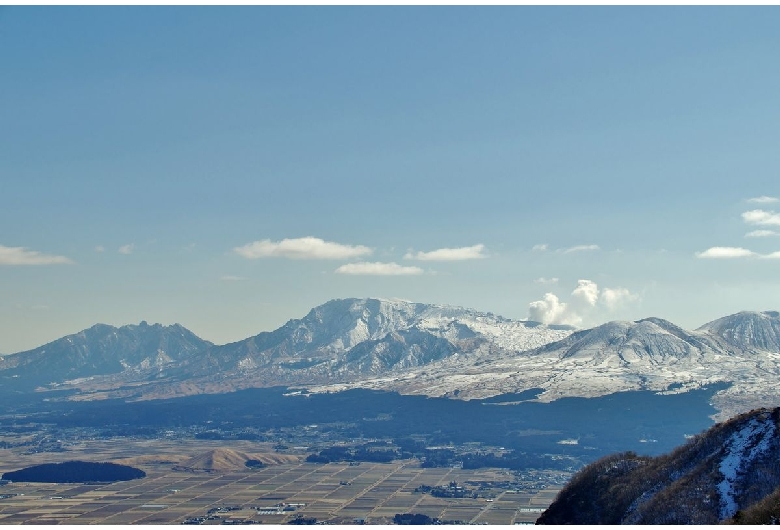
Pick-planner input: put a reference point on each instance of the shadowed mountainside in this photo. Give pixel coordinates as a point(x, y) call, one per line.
point(710, 479)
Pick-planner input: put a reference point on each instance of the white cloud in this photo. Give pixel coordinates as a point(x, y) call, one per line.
point(301, 248)
point(763, 200)
point(615, 298)
point(22, 256)
point(761, 218)
point(449, 254)
point(581, 248)
point(588, 302)
point(539, 248)
point(127, 249)
point(231, 278)
point(725, 253)
point(587, 291)
point(546, 281)
point(550, 310)
point(100, 248)
point(762, 233)
point(773, 255)
point(378, 269)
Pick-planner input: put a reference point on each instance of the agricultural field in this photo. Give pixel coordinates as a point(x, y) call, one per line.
point(205, 482)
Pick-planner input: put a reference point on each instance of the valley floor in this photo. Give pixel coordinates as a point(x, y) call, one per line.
point(335, 492)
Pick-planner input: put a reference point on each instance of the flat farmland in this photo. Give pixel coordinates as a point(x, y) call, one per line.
point(275, 494)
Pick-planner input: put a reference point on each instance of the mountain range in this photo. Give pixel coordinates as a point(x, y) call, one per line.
point(415, 348)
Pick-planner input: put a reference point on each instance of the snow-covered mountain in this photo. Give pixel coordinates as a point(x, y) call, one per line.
point(731, 467)
point(347, 341)
point(101, 350)
point(652, 341)
point(649, 354)
point(339, 342)
point(424, 349)
point(748, 330)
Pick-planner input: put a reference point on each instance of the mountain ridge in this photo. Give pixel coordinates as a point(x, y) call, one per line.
point(414, 348)
point(102, 350)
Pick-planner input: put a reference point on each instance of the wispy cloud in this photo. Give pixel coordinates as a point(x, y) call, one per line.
point(231, 278)
point(301, 248)
point(546, 281)
point(581, 248)
point(127, 249)
point(764, 200)
point(762, 233)
point(36, 307)
point(449, 254)
point(615, 298)
point(100, 248)
point(22, 256)
point(541, 247)
point(773, 255)
point(761, 218)
point(758, 217)
point(726, 253)
point(378, 269)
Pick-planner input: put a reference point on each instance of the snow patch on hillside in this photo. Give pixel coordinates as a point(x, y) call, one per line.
point(743, 447)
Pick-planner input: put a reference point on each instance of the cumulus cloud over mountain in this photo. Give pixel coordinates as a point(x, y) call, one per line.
point(587, 301)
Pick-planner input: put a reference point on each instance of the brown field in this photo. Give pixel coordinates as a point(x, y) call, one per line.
point(177, 487)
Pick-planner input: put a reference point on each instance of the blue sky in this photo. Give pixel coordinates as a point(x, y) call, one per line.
point(230, 168)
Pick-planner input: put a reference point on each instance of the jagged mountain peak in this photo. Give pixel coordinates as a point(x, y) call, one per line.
point(748, 330)
point(103, 349)
point(342, 324)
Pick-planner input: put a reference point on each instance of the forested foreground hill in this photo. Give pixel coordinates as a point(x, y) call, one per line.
point(730, 473)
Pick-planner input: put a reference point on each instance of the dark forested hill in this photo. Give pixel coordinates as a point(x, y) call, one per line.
point(75, 471)
point(715, 476)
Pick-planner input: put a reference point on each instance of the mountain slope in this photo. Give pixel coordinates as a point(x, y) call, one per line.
point(649, 354)
point(331, 330)
point(341, 342)
point(728, 468)
point(748, 330)
point(101, 350)
point(413, 348)
point(652, 340)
